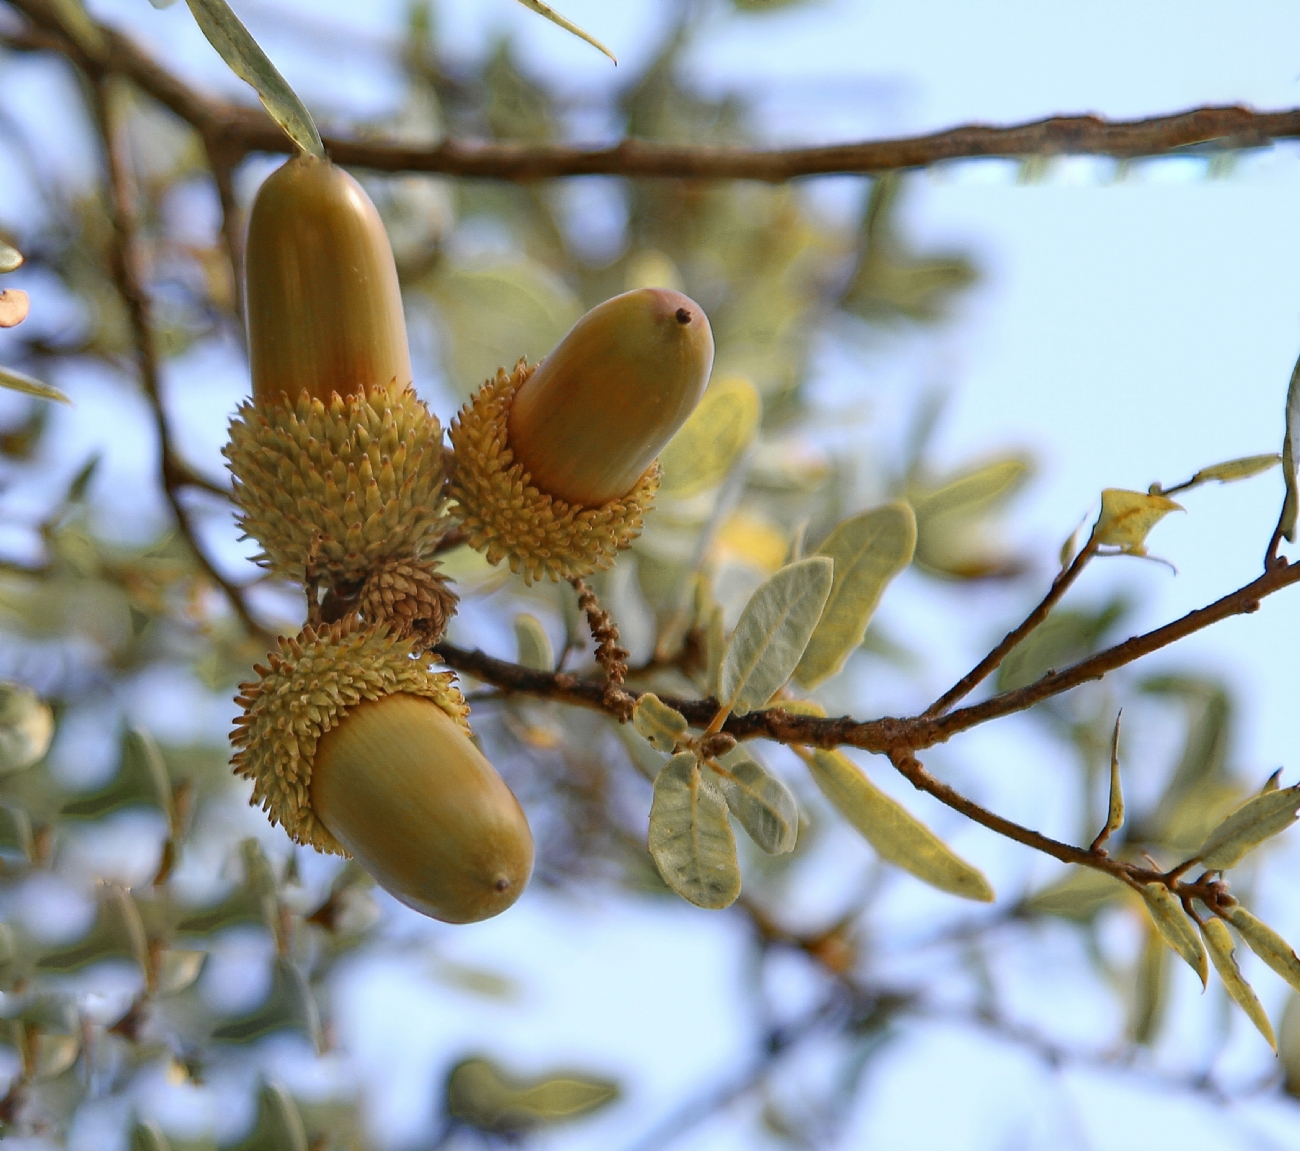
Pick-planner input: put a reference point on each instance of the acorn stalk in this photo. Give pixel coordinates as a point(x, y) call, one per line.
point(407, 793)
point(598, 410)
point(324, 305)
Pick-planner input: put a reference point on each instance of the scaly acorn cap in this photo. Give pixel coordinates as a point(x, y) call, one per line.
point(324, 305)
point(506, 516)
point(411, 597)
point(354, 746)
point(335, 490)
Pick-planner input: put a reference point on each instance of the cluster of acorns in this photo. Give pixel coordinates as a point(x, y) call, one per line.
point(353, 743)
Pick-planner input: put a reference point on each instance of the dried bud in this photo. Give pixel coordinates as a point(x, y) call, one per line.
point(324, 306)
point(602, 405)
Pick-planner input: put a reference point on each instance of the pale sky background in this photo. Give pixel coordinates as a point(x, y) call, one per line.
point(1124, 331)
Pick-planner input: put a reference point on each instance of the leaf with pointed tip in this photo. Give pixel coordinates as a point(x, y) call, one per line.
point(279, 1125)
point(1266, 943)
point(141, 778)
point(662, 725)
point(481, 1094)
point(117, 932)
point(533, 644)
point(1128, 517)
point(1115, 805)
point(179, 970)
point(1246, 828)
point(868, 551)
point(1175, 927)
point(148, 1136)
point(17, 382)
point(289, 1006)
point(690, 836)
point(1219, 943)
point(555, 18)
point(1291, 456)
point(1230, 470)
point(761, 803)
point(244, 56)
point(893, 831)
point(773, 632)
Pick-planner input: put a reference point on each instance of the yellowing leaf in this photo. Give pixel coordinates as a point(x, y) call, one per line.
point(662, 725)
point(868, 551)
point(1219, 943)
point(1246, 828)
point(17, 382)
point(1175, 927)
point(555, 18)
point(893, 831)
point(750, 540)
point(481, 1094)
point(533, 644)
point(955, 536)
point(690, 836)
point(772, 633)
point(719, 430)
point(1231, 470)
point(1127, 517)
point(244, 56)
point(1266, 943)
point(761, 803)
point(26, 727)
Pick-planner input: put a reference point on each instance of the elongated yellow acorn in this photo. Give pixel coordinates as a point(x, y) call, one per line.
point(402, 787)
point(597, 411)
point(324, 305)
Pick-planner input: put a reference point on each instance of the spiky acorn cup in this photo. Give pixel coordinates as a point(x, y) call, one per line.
point(554, 466)
point(338, 467)
point(355, 747)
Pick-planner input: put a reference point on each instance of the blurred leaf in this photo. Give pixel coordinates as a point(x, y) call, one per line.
point(1115, 802)
point(953, 533)
point(1175, 926)
point(289, 1006)
point(721, 428)
point(1288, 1047)
point(690, 837)
point(1247, 827)
point(10, 258)
point(533, 644)
point(26, 727)
point(279, 1125)
point(555, 18)
point(1065, 637)
point(14, 306)
point(662, 725)
point(1291, 456)
point(889, 280)
point(141, 779)
point(868, 551)
point(54, 1054)
point(15, 831)
point(1127, 518)
point(253, 901)
point(74, 19)
point(81, 481)
point(1152, 985)
point(773, 632)
point(147, 1136)
point(1266, 943)
point(750, 540)
point(179, 970)
point(1219, 943)
point(117, 932)
point(17, 382)
point(893, 831)
point(761, 803)
point(246, 59)
point(1079, 896)
point(481, 1094)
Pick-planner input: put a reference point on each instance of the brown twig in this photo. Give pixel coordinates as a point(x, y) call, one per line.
point(991, 662)
point(246, 129)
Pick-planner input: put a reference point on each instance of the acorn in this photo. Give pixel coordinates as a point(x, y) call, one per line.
point(554, 466)
point(338, 466)
point(357, 748)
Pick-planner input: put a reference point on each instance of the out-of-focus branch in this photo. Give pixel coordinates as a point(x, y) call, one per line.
point(244, 129)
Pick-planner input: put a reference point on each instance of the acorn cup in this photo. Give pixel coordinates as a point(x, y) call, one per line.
point(338, 467)
point(358, 749)
point(554, 466)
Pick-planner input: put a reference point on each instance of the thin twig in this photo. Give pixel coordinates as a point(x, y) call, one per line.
point(611, 657)
point(991, 662)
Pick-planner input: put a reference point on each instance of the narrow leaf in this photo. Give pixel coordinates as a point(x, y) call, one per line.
point(892, 830)
point(690, 836)
point(662, 725)
point(245, 58)
point(1127, 518)
point(1266, 943)
point(868, 551)
point(762, 804)
point(555, 18)
point(1291, 456)
point(773, 632)
point(10, 258)
point(17, 382)
point(1246, 828)
point(533, 644)
point(1115, 807)
point(1218, 941)
point(1175, 926)
point(1231, 470)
